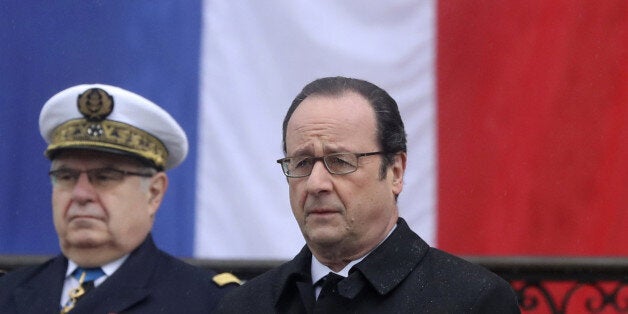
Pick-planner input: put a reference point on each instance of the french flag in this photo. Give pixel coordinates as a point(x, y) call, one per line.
point(516, 114)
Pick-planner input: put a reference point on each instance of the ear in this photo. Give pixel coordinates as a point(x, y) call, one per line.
point(157, 190)
point(398, 169)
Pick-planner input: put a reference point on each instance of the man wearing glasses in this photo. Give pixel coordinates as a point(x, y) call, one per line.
point(109, 150)
point(346, 155)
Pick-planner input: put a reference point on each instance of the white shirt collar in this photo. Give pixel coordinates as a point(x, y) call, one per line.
point(108, 268)
point(319, 270)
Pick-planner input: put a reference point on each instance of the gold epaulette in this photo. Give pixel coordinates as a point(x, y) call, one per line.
point(225, 279)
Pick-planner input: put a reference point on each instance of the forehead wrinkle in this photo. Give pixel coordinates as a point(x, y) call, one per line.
point(329, 122)
point(308, 137)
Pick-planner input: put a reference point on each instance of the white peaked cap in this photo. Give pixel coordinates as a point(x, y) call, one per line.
point(109, 118)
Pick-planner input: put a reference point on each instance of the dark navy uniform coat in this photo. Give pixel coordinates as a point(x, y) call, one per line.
point(403, 275)
point(149, 281)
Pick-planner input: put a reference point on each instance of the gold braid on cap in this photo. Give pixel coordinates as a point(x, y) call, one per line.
point(95, 132)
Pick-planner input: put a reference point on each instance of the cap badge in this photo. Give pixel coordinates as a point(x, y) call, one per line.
point(95, 104)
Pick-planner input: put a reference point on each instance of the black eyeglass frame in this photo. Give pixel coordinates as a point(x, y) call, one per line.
point(284, 165)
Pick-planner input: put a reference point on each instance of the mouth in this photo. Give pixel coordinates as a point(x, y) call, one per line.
point(322, 212)
point(83, 217)
point(84, 222)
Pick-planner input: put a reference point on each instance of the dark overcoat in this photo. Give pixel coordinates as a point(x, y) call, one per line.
point(403, 275)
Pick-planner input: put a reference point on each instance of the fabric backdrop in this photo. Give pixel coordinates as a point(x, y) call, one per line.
point(515, 113)
point(255, 59)
point(533, 127)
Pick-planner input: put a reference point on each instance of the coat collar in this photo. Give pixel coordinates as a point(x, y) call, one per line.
point(127, 286)
point(296, 272)
point(398, 255)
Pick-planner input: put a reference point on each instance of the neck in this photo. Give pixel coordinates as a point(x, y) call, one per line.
point(336, 258)
point(338, 255)
point(91, 258)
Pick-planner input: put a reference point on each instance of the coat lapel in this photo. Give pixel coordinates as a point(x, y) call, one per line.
point(43, 291)
point(293, 291)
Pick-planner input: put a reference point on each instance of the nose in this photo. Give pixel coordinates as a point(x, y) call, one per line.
point(320, 179)
point(83, 190)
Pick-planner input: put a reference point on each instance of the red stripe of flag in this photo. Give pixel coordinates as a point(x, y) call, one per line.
point(533, 127)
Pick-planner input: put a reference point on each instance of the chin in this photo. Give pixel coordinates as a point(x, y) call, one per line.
point(85, 239)
point(324, 237)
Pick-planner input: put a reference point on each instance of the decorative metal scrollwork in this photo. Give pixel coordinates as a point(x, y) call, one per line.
point(579, 297)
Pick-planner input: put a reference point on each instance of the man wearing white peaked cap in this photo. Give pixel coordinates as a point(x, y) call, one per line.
point(109, 149)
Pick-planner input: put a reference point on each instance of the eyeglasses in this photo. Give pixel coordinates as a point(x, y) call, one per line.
point(339, 163)
point(99, 177)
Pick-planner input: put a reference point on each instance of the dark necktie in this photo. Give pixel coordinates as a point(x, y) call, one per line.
point(329, 299)
point(86, 278)
point(330, 285)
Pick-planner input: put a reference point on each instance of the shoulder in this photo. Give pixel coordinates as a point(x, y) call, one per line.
point(259, 294)
point(450, 265)
point(173, 283)
point(15, 278)
point(180, 271)
point(439, 266)
point(162, 270)
point(50, 271)
point(266, 283)
point(444, 277)
point(275, 279)
point(452, 275)
point(24, 274)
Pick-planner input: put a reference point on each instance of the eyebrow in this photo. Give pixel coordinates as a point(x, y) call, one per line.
point(302, 151)
point(62, 165)
point(306, 151)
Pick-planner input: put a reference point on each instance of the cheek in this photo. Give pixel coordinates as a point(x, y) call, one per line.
point(297, 197)
point(296, 204)
point(364, 202)
point(127, 219)
point(58, 198)
point(60, 204)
